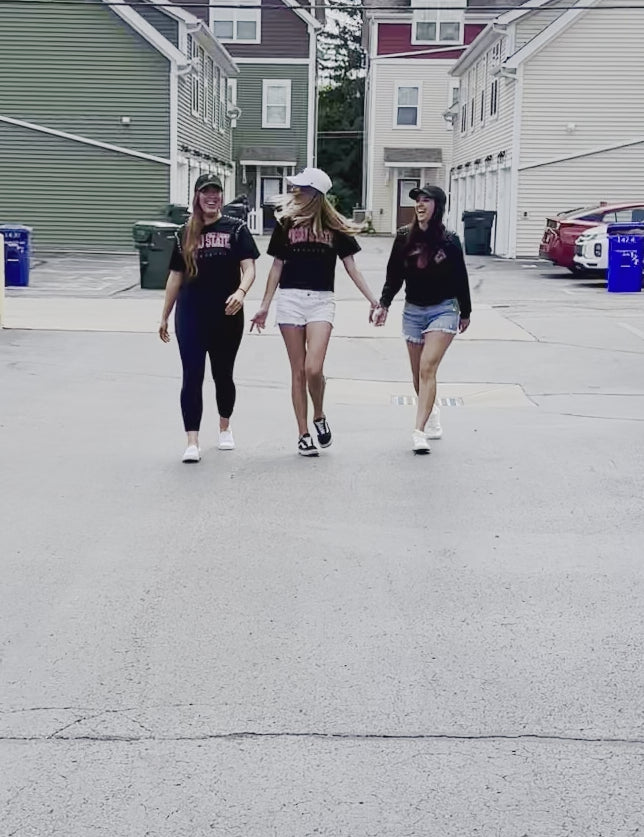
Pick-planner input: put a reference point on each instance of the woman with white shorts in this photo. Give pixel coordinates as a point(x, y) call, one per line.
point(307, 240)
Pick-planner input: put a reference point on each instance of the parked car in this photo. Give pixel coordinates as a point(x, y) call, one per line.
point(591, 249)
point(563, 230)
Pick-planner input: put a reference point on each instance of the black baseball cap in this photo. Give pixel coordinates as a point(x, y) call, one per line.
point(208, 180)
point(429, 191)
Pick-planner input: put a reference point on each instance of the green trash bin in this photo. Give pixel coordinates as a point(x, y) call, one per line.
point(477, 229)
point(178, 213)
point(155, 242)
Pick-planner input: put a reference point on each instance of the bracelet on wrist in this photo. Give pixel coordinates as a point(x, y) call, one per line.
point(243, 291)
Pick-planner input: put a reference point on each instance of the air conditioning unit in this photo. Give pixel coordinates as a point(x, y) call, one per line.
point(359, 216)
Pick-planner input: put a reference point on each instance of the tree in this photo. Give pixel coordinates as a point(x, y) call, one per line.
point(341, 102)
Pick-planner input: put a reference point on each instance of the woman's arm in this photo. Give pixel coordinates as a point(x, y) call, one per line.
point(235, 301)
point(359, 281)
point(462, 285)
point(274, 275)
point(395, 273)
point(172, 287)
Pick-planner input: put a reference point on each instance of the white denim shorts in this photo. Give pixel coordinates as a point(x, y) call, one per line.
point(297, 307)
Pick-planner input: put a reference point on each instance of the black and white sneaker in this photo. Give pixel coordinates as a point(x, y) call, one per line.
point(324, 432)
point(305, 446)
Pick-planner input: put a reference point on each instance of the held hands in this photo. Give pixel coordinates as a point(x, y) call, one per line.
point(163, 331)
point(235, 302)
point(259, 320)
point(378, 315)
point(463, 324)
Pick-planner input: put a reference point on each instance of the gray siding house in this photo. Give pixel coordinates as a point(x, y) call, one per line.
point(107, 115)
point(275, 47)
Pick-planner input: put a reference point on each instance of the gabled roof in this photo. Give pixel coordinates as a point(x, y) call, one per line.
point(491, 33)
point(307, 17)
point(149, 33)
point(195, 24)
point(162, 44)
point(548, 34)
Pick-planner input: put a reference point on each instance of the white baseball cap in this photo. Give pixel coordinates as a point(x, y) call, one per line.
point(315, 178)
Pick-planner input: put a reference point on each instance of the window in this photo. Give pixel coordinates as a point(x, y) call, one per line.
point(407, 106)
point(494, 97)
point(481, 76)
point(438, 26)
point(232, 97)
point(216, 106)
point(276, 103)
point(208, 109)
point(223, 87)
point(197, 55)
point(241, 24)
point(464, 118)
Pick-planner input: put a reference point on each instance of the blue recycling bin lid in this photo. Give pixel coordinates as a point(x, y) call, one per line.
point(626, 229)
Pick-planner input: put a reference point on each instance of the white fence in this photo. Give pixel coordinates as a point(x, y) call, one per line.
point(256, 221)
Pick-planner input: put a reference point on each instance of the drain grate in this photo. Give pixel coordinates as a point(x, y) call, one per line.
point(411, 401)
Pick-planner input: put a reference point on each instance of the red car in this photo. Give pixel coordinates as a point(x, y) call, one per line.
point(562, 230)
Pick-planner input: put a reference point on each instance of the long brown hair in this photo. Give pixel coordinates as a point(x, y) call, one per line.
point(421, 245)
point(319, 214)
point(192, 236)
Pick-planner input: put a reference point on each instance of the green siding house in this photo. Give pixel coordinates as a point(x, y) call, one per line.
point(108, 114)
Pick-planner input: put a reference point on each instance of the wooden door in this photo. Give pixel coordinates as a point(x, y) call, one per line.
point(405, 205)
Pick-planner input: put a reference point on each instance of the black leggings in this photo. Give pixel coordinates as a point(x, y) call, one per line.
point(220, 339)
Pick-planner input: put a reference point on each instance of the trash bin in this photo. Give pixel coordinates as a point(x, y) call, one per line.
point(178, 213)
point(478, 225)
point(155, 241)
point(625, 254)
point(17, 249)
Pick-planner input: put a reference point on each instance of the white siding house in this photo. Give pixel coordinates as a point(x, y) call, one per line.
point(569, 130)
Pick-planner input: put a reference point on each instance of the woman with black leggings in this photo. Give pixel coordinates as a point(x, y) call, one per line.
point(211, 270)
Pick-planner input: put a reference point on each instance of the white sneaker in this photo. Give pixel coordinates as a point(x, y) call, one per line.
point(192, 454)
point(433, 429)
point(419, 442)
point(226, 441)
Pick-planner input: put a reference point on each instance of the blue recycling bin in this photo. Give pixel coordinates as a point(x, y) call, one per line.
point(625, 254)
point(17, 247)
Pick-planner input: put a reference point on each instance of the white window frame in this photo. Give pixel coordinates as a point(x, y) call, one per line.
point(216, 104)
point(495, 91)
point(438, 17)
point(495, 57)
point(209, 75)
point(240, 13)
point(419, 86)
point(232, 98)
point(453, 101)
point(276, 82)
point(223, 110)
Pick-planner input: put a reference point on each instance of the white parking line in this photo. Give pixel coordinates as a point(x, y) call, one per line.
point(633, 330)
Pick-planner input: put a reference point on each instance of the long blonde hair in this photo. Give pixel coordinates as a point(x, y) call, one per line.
point(319, 214)
point(191, 237)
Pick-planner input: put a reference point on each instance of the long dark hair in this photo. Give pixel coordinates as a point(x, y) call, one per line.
point(422, 245)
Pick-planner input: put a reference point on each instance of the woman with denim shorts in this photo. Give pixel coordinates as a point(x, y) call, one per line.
point(429, 260)
point(307, 241)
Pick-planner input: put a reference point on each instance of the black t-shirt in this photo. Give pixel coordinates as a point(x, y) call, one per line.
point(222, 247)
point(309, 260)
point(443, 277)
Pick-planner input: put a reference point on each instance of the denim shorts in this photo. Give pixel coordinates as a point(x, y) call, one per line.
point(297, 307)
point(418, 320)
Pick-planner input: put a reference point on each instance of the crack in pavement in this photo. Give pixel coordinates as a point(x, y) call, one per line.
point(250, 735)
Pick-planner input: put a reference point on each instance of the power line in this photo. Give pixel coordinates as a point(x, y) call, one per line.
point(343, 7)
